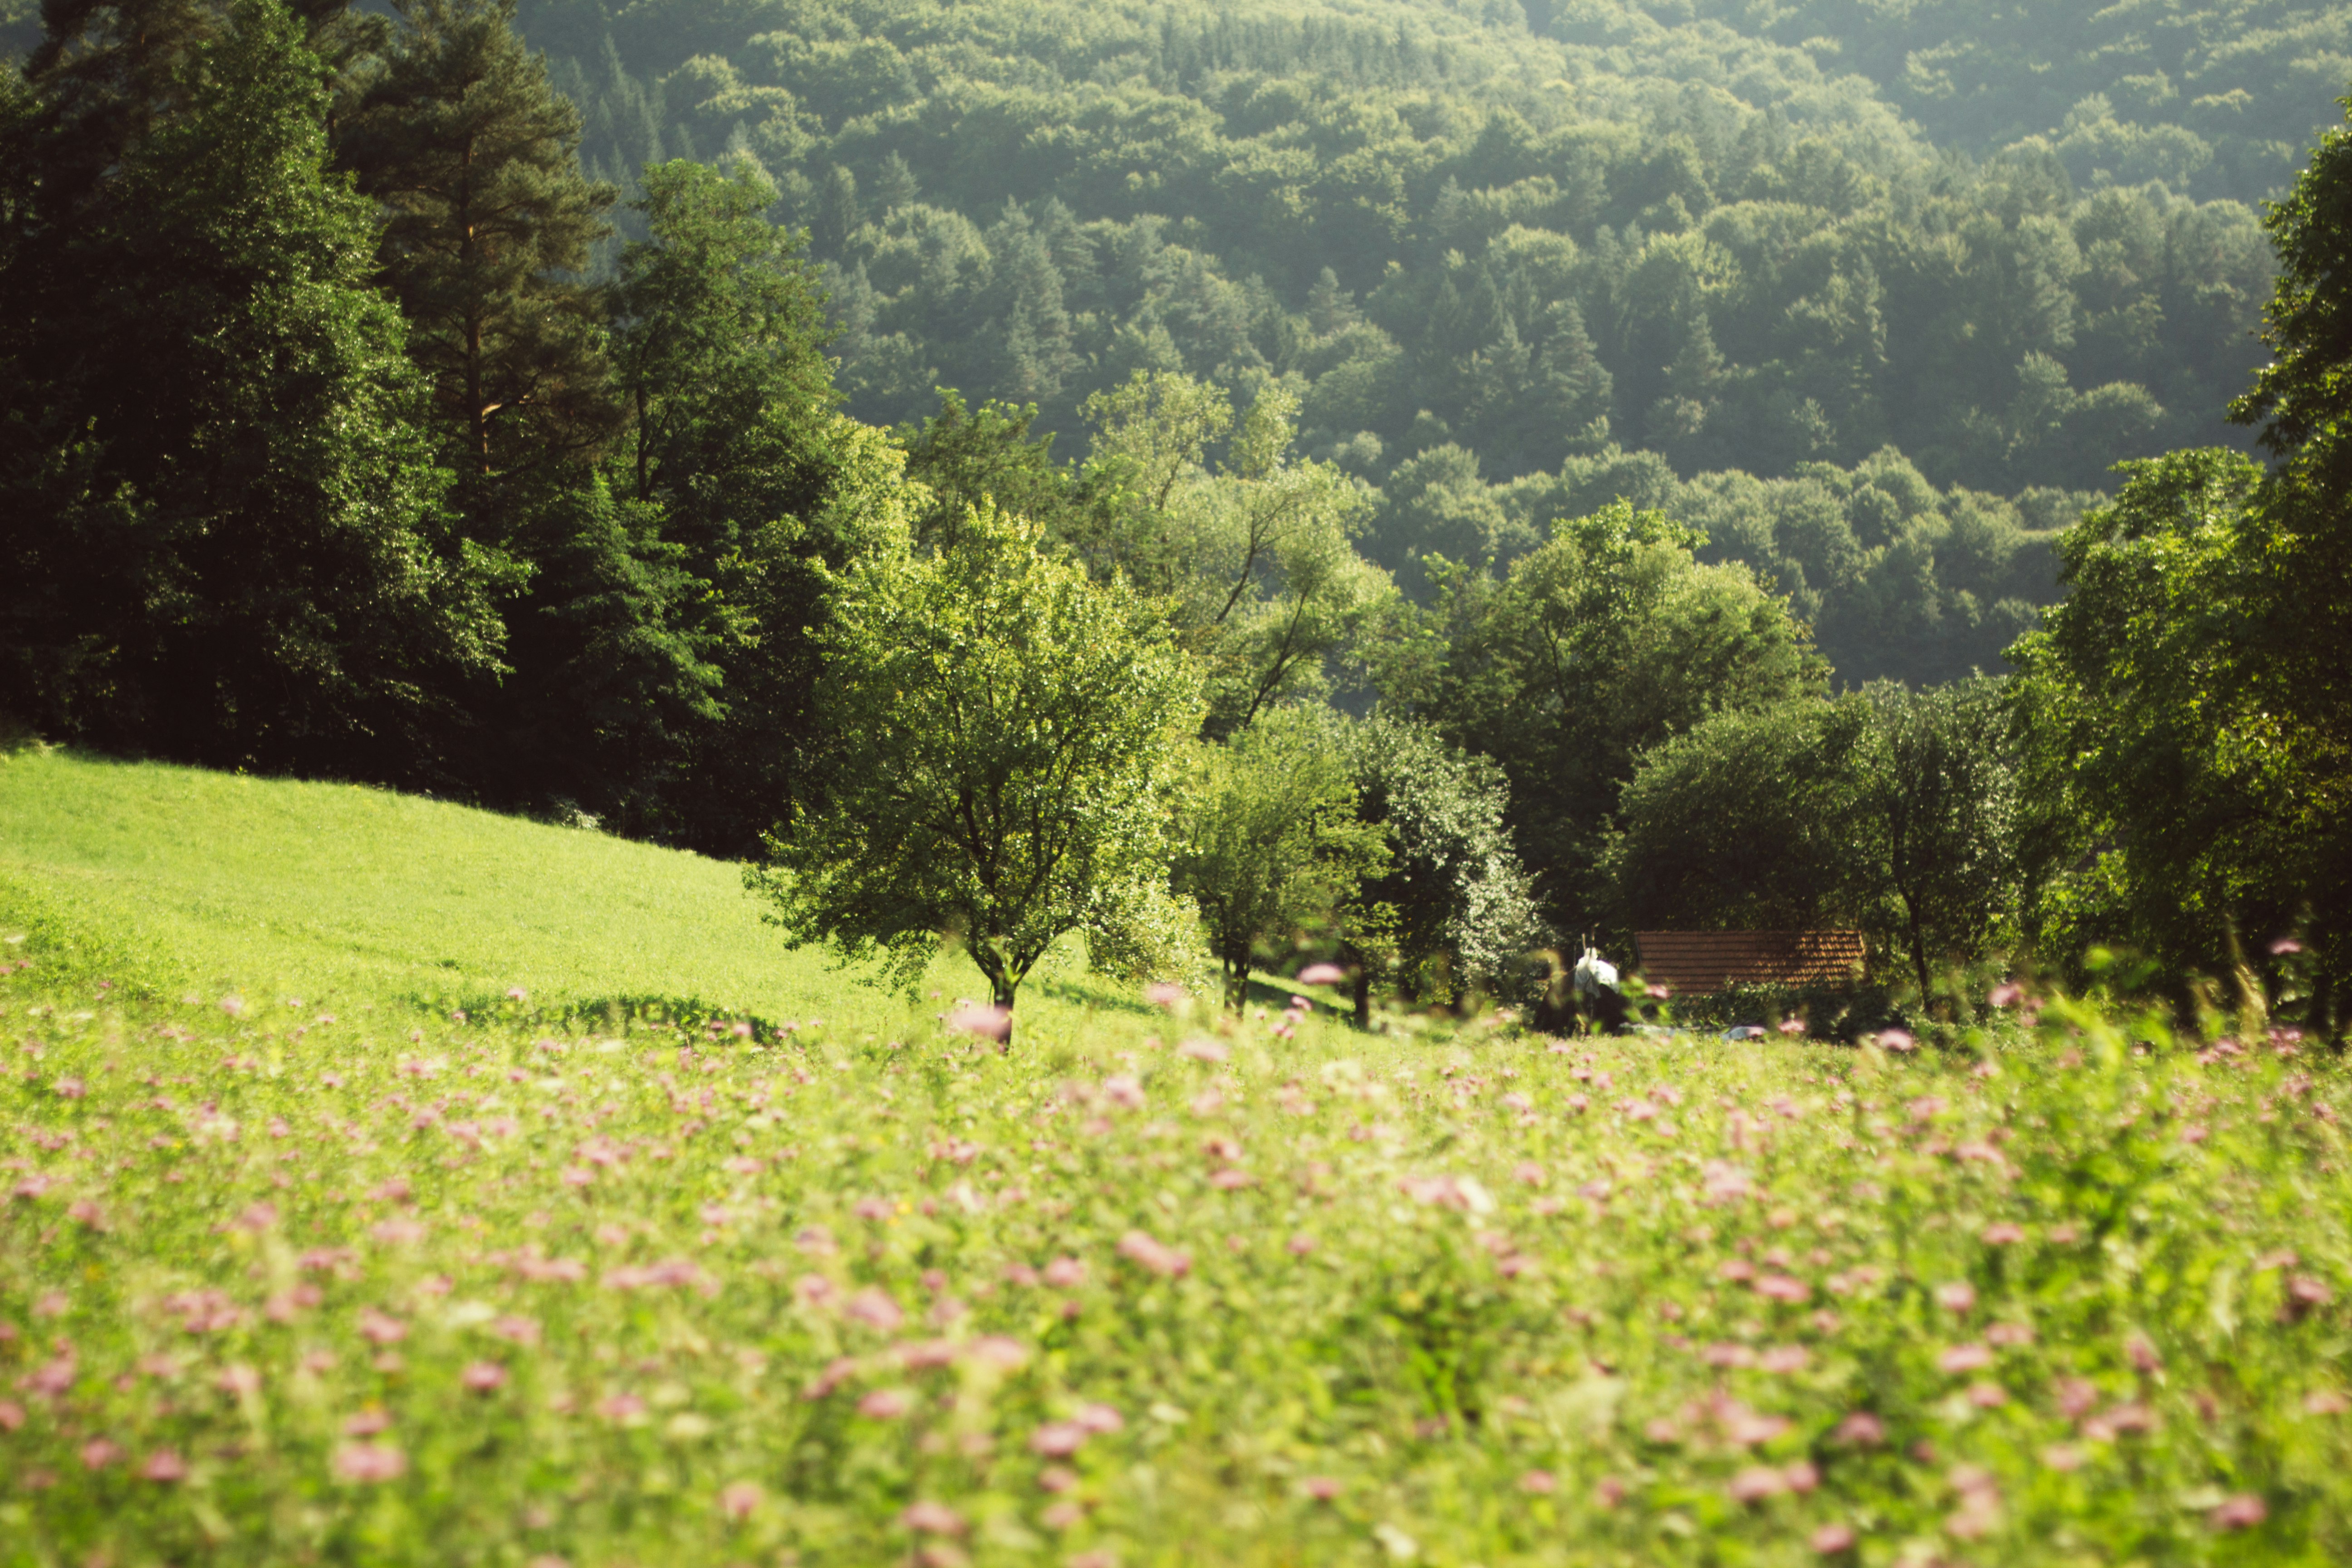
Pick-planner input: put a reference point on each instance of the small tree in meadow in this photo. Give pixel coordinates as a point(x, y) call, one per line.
point(1013, 733)
point(1944, 798)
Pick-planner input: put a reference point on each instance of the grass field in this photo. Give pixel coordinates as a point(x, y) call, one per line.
point(188, 880)
point(300, 1284)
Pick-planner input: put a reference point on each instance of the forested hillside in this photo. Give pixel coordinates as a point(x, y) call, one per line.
point(1619, 244)
point(1410, 481)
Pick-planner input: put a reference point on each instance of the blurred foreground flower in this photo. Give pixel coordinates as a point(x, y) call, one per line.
point(981, 1020)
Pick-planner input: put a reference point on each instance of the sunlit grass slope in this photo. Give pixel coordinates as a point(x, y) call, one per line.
point(177, 878)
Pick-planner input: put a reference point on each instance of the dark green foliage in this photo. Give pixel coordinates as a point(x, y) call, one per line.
point(969, 457)
point(1750, 821)
point(613, 682)
point(1598, 645)
point(1270, 844)
point(222, 520)
point(1891, 810)
point(1452, 913)
point(720, 348)
point(1533, 235)
point(1942, 797)
point(2175, 792)
point(473, 158)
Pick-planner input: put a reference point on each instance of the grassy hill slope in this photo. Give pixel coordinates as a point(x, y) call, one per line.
point(176, 879)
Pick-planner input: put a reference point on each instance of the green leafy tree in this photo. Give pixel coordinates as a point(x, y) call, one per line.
point(2173, 796)
point(1019, 728)
point(967, 456)
point(1890, 810)
point(1751, 820)
point(720, 352)
point(1255, 560)
point(489, 228)
point(1271, 847)
point(1452, 911)
point(1943, 799)
point(225, 539)
point(1601, 643)
point(2299, 540)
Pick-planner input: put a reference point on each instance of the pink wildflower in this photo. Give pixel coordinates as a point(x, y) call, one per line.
point(1322, 974)
point(370, 1462)
point(2001, 1233)
point(1758, 1482)
point(1782, 1288)
point(886, 1405)
point(933, 1519)
point(2243, 1511)
point(1964, 1358)
point(1099, 1418)
point(1831, 1538)
point(1322, 1489)
point(1164, 994)
point(1958, 1296)
point(739, 1500)
point(1860, 1430)
point(981, 1021)
point(1896, 1041)
point(98, 1453)
point(2325, 1402)
point(238, 1379)
point(484, 1376)
point(163, 1465)
point(1057, 1439)
point(2007, 995)
point(1538, 1483)
point(875, 1309)
point(11, 1415)
point(381, 1328)
point(1204, 1050)
point(1300, 1244)
point(1157, 1257)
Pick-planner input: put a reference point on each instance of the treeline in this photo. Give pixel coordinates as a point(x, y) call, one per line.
point(1737, 242)
point(329, 449)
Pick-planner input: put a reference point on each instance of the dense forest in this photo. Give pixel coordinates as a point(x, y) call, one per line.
point(1761, 265)
point(1422, 482)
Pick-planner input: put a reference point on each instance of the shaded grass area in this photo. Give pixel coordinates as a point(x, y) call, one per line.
point(172, 880)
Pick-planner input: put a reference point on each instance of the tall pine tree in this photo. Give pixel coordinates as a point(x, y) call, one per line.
point(490, 225)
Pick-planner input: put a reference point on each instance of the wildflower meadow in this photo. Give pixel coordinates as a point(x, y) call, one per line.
point(1160, 1285)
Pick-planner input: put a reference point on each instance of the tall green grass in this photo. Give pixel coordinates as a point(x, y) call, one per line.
point(177, 880)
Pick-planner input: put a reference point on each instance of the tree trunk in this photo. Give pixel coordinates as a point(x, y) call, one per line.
point(1919, 957)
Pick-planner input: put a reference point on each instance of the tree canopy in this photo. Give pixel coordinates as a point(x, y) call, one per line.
point(1020, 729)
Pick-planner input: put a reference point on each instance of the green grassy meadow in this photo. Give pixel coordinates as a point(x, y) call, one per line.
point(184, 881)
point(350, 1279)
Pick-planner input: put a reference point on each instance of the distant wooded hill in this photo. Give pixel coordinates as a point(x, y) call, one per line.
point(1874, 291)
